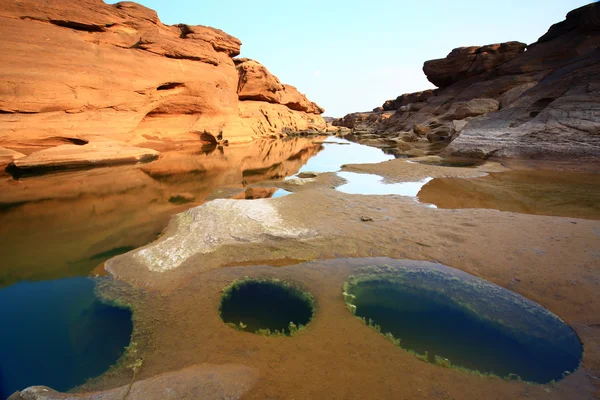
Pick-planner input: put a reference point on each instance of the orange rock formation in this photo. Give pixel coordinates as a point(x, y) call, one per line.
point(85, 71)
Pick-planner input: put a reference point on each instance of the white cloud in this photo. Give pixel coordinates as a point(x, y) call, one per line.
point(317, 73)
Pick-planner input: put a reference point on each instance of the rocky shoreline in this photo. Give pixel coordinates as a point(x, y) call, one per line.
point(175, 103)
point(506, 100)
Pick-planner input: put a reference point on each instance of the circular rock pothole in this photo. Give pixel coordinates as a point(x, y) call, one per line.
point(267, 307)
point(459, 321)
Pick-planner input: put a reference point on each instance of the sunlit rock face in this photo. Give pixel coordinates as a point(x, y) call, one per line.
point(90, 71)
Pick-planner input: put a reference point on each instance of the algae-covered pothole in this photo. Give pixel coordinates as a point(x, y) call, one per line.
point(457, 320)
point(267, 307)
point(58, 333)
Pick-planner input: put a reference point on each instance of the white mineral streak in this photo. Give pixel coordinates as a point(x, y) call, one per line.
point(219, 222)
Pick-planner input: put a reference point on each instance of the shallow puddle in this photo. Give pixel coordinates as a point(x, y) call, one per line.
point(457, 320)
point(375, 185)
point(337, 152)
point(266, 307)
point(254, 193)
point(280, 193)
point(564, 194)
point(58, 334)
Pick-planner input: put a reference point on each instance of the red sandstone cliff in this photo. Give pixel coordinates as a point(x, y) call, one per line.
point(85, 71)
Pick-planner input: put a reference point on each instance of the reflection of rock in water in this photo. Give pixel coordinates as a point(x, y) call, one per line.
point(71, 217)
point(537, 192)
point(255, 193)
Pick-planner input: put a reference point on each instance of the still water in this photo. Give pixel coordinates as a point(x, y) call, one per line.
point(539, 192)
point(452, 318)
point(57, 333)
point(255, 305)
point(55, 229)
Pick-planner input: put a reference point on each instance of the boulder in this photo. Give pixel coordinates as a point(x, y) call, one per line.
point(295, 100)
point(465, 62)
point(257, 83)
point(421, 130)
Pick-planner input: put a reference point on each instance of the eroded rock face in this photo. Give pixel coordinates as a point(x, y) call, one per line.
point(91, 71)
point(502, 101)
point(257, 83)
point(204, 382)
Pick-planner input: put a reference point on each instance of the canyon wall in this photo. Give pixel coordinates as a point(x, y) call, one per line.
point(74, 72)
point(503, 100)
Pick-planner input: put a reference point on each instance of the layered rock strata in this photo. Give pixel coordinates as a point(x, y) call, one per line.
point(86, 71)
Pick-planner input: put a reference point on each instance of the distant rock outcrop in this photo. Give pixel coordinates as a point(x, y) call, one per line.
point(502, 101)
point(89, 71)
point(465, 62)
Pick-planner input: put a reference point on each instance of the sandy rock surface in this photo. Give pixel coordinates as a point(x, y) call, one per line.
point(202, 382)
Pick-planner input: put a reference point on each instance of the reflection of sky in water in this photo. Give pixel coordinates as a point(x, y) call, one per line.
point(334, 156)
point(280, 193)
point(373, 184)
point(58, 334)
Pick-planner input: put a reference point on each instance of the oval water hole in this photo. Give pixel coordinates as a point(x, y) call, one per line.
point(456, 320)
point(267, 307)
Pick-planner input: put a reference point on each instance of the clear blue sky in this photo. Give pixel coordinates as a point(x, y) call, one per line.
point(353, 55)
